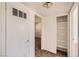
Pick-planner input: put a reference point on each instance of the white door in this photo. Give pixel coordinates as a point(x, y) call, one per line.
point(74, 31)
point(17, 42)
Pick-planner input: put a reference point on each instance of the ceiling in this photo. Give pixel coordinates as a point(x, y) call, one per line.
point(56, 8)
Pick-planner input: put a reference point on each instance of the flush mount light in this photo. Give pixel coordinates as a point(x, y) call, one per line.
point(47, 4)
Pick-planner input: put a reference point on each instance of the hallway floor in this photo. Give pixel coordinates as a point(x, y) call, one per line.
point(44, 53)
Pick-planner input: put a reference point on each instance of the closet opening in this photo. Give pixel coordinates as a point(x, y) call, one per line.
point(37, 35)
point(62, 35)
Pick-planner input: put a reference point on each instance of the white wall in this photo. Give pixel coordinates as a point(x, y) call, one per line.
point(49, 34)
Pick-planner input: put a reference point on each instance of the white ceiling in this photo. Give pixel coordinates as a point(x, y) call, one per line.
point(56, 8)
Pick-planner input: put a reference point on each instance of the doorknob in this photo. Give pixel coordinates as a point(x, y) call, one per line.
point(27, 41)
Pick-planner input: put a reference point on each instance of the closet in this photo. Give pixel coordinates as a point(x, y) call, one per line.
point(62, 33)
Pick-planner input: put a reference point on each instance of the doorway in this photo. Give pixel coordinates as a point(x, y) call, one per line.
point(62, 34)
point(37, 35)
point(61, 50)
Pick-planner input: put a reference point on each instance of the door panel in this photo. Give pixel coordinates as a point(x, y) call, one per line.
point(74, 31)
point(17, 31)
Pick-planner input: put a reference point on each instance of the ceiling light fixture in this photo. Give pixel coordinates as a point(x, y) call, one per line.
point(47, 4)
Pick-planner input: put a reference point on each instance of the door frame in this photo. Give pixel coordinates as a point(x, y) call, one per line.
point(3, 26)
point(35, 29)
point(78, 30)
point(65, 14)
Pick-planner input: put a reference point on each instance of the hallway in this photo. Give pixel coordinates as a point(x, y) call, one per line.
point(31, 29)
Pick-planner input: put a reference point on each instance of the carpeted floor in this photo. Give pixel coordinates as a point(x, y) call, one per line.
point(44, 53)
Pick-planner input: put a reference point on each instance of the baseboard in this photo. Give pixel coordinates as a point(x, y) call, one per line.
point(37, 37)
point(62, 49)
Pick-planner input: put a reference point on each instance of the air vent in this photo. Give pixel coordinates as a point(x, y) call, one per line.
point(19, 13)
point(24, 15)
point(15, 12)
